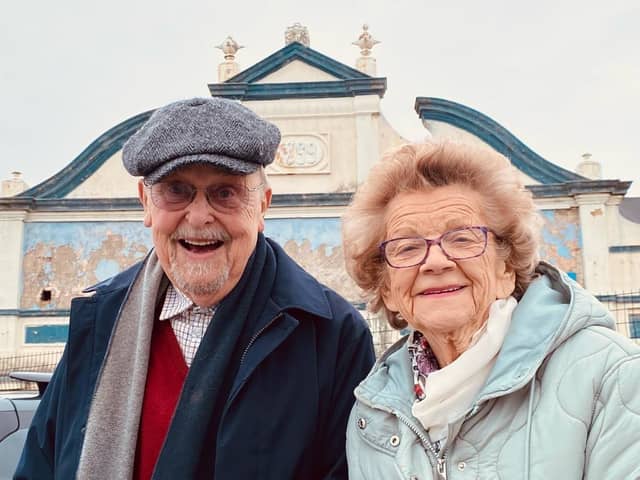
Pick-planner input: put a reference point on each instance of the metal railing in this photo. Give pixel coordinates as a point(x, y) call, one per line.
point(32, 362)
point(625, 308)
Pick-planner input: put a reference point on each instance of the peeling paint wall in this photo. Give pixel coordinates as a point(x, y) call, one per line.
point(562, 241)
point(316, 244)
point(64, 258)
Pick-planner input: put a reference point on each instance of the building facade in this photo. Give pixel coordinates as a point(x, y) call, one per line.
point(84, 224)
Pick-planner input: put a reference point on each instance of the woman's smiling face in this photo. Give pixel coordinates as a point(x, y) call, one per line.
point(443, 296)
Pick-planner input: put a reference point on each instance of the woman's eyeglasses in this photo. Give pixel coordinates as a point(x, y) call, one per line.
point(457, 244)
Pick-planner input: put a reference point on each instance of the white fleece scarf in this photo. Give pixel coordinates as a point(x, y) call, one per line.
point(451, 390)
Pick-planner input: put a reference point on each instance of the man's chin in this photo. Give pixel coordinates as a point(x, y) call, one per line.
point(198, 285)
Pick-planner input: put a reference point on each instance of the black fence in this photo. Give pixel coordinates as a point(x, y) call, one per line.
point(33, 362)
point(625, 308)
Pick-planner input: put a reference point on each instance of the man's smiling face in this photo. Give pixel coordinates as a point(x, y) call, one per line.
point(203, 250)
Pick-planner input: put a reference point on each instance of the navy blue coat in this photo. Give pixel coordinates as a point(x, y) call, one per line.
point(287, 412)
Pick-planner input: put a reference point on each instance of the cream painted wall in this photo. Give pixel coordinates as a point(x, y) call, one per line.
point(594, 224)
point(624, 267)
point(111, 180)
point(298, 71)
point(388, 137)
point(11, 237)
point(441, 131)
point(350, 126)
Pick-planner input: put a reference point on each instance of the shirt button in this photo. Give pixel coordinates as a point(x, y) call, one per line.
point(362, 423)
point(462, 466)
point(394, 440)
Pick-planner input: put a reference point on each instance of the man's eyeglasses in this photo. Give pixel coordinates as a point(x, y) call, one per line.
point(176, 195)
point(457, 244)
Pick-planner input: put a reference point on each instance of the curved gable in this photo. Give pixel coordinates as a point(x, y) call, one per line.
point(91, 158)
point(495, 135)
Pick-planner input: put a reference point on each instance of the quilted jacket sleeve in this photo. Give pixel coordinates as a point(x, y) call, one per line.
point(613, 446)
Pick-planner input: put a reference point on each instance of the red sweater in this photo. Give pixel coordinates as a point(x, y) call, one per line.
point(165, 377)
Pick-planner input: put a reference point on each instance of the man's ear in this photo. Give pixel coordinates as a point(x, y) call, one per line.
point(265, 202)
point(144, 200)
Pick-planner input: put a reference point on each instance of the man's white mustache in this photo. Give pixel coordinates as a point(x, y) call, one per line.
point(201, 234)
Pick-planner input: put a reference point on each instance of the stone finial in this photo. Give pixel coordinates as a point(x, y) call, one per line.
point(229, 47)
point(365, 41)
point(589, 168)
point(13, 186)
point(297, 33)
point(229, 67)
point(366, 63)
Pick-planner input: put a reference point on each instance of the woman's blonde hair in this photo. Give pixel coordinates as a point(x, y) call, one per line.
point(507, 207)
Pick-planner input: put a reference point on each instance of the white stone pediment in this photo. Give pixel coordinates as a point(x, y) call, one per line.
point(298, 71)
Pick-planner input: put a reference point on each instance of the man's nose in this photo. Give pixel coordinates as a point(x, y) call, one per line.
point(199, 211)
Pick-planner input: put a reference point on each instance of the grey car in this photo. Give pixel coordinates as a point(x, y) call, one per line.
point(16, 412)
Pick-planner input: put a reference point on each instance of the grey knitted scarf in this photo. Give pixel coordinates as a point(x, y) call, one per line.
point(112, 427)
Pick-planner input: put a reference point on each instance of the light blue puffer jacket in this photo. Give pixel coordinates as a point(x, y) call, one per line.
point(562, 402)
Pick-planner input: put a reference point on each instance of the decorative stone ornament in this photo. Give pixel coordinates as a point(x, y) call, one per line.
point(229, 47)
point(366, 63)
point(229, 67)
point(297, 33)
point(365, 41)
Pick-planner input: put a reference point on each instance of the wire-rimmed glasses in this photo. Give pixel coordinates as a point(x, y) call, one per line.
point(224, 197)
point(457, 244)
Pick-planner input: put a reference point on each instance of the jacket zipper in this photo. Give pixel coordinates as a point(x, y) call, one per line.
point(441, 461)
point(256, 335)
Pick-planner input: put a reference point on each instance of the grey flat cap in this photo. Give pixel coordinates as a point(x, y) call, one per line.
point(217, 131)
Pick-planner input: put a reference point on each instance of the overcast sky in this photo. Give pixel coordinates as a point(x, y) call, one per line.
point(563, 76)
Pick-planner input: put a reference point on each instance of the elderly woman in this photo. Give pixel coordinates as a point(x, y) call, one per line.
point(510, 369)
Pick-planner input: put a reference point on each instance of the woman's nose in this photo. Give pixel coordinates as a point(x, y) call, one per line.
point(436, 260)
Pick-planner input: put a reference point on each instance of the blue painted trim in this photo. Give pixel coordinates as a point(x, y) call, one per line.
point(624, 249)
point(289, 53)
point(91, 158)
point(274, 91)
point(70, 204)
point(12, 312)
point(133, 204)
point(573, 188)
point(46, 334)
point(496, 136)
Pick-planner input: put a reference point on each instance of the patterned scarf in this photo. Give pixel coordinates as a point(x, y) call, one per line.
point(423, 362)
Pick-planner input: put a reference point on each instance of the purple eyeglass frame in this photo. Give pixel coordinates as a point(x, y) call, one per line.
point(436, 241)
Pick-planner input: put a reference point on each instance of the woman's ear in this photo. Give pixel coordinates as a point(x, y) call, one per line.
point(388, 299)
point(505, 280)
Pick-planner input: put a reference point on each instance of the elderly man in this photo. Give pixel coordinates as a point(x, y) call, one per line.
point(216, 356)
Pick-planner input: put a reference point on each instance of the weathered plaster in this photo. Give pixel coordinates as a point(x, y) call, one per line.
point(65, 258)
point(562, 240)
